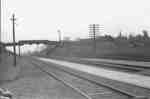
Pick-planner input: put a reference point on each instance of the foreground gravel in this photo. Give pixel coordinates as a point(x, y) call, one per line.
point(34, 84)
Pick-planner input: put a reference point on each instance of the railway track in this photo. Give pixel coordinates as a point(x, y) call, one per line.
point(124, 67)
point(145, 59)
point(84, 86)
point(130, 68)
point(109, 65)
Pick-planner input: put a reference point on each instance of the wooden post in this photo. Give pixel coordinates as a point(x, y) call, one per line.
point(13, 19)
point(19, 50)
point(0, 21)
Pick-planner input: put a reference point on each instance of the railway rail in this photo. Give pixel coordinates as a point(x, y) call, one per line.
point(119, 66)
point(109, 65)
point(124, 67)
point(135, 58)
point(76, 82)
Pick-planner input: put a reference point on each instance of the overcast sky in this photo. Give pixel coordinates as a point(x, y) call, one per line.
point(40, 19)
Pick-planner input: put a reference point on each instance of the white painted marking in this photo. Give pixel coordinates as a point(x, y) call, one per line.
point(139, 80)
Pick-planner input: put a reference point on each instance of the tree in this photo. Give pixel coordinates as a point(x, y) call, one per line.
point(78, 39)
point(67, 39)
point(131, 37)
point(119, 35)
point(145, 34)
point(109, 37)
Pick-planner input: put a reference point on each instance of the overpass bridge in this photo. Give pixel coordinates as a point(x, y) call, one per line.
point(24, 42)
point(29, 42)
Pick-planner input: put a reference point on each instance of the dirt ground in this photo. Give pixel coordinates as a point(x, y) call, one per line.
point(34, 84)
point(7, 69)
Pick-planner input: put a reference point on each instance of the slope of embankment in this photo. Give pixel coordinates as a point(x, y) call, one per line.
point(104, 49)
point(7, 70)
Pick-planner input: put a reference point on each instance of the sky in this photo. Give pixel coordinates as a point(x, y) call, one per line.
point(40, 19)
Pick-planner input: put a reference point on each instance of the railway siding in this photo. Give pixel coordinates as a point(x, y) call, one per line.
point(83, 86)
point(114, 75)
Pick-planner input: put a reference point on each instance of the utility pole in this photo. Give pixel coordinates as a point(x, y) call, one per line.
point(0, 20)
point(13, 19)
point(59, 35)
point(0, 29)
point(19, 50)
point(94, 29)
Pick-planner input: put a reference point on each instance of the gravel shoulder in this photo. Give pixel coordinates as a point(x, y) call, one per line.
point(7, 69)
point(34, 84)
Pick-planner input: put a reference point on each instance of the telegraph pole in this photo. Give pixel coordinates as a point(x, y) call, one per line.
point(0, 29)
point(59, 35)
point(0, 20)
point(19, 50)
point(94, 29)
point(13, 19)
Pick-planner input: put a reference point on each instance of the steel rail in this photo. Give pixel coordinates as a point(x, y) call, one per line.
point(145, 58)
point(110, 65)
point(107, 64)
point(121, 66)
point(64, 82)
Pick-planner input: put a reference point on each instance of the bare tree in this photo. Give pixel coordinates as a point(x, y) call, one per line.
point(145, 34)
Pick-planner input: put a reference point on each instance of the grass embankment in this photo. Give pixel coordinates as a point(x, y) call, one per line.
point(8, 71)
point(117, 49)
